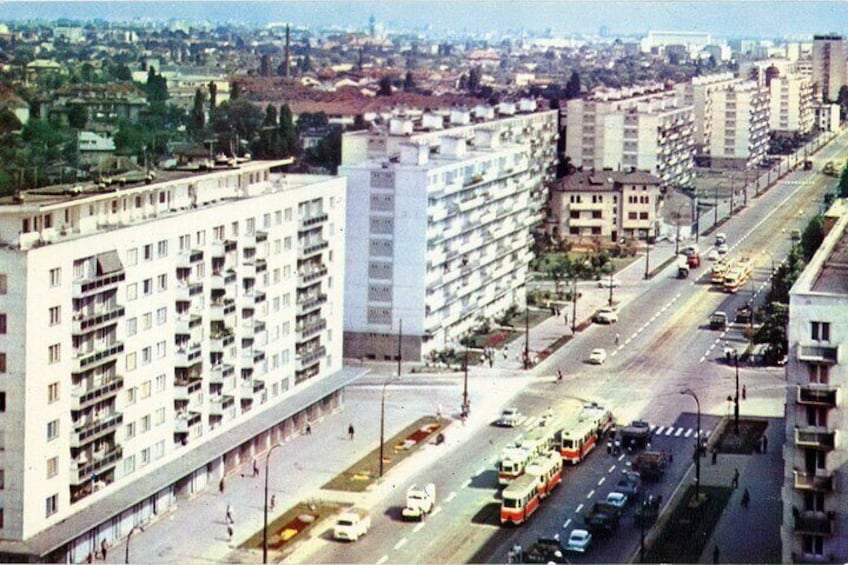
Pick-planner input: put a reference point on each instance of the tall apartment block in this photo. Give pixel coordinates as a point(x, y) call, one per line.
point(740, 125)
point(815, 454)
point(698, 93)
point(640, 128)
point(791, 105)
point(439, 219)
point(829, 59)
point(155, 336)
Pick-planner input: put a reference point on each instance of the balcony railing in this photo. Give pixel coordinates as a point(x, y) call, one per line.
point(84, 322)
point(308, 330)
point(94, 358)
point(822, 482)
point(311, 276)
point(95, 284)
point(815, 437)
point(96, 428)
point(83, 473)
point(83, 396)
point(814, 523)
point(817, 395)
point(817, 353)
point(184, 422)
point(313, 247)
point(219, 372)
point(312, 303)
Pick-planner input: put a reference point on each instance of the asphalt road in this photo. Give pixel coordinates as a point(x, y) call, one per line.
point(664, 346)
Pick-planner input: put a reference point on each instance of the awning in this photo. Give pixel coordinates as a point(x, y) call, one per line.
point(108, 262)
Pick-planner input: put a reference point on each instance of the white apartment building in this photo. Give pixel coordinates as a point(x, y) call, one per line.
point(829, 60)
point(791, 107)
point(827, 116)
point(639, 128)
point(698, 93)
point(740, 125)
point(815, 519)
point(439, 222)
point(605, 204)
point(153, 337)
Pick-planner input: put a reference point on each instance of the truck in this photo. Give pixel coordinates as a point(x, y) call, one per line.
point(602, 518)
point(744, 314)
point(650, 465)
point(546, 549)
point(648, 511)
point(352, 524)
point(636, 435)
point(419, 501)
point(682, 267)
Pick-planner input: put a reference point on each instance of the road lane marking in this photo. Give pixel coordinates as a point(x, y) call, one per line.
point(382, 560)
point(611, 469)
point(601, 481)
point(401, 543)
point(622, 457)
point(436, 510)
point(659, 430)
point(467, 483)
point(450, 497)
point(481, 470)
point(591, 493)
point(578, 509)
point(565, 525)
point(420, 525)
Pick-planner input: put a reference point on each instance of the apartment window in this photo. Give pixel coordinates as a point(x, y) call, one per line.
point(145, 456)
point(132, 327)
point(278, 217)
point(161, 283)
point(131, 361)
point(145, 389)
point(2, 362)
point(55, 315)
point(129, 464)
point(2, 323)
point(2, 479)
point(52, 392)
point(287, 243)
point(145, 424)
point(218, 233)
point(51, 504)
point(597, 214)
point(129, 430)
point(52, 467)
point(132, 257)
point(132, 292)
point(574, 214)
point(146, 356)
point(160, 383)
point(161, 350)
point(820, 331)
point(52, 430)
point(132, 394)
point(2, 284)
point(159, 416)
point(159, 449)
point(54, 353)
point(148, 252)
point(147, 287)
point(162, 248)
point(288, 214)
point(818, 374)
point(147, 321)
point(813, 545)
point(643, 215)
point(200, 237)
point(185, 242)
point(2, 402)
point(55, 277)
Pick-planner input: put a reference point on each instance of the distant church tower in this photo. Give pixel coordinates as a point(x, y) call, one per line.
point(288, 53)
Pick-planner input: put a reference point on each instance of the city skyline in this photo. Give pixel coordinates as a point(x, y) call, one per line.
point(754, 19)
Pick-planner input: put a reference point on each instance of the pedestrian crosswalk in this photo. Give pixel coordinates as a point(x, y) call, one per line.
point(678, 431)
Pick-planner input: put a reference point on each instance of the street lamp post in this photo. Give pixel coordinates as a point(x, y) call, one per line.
point(129, 537)
point(465, 381)
point(265, 507)
point(383, 421)
point(690, 392)
point(647, 256)
point(574, 307)
point(526, 337)
point(736, 397)
point(677, 235)
point(610, 285)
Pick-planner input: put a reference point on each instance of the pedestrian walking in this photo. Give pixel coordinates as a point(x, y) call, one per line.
point(744, 392)
point(103, 547)
point(735, 482)
point(230, 532)
point(765, 443)
point(617, 338)
point(565, 317)
point(559, 374)
point(230, 515)
point(273, 501)
point(350, 431)
point(255, 468)
point(715, 554)
point(221, 485)
point(308, 429)
point(715, 455)
point(746, 499)
point(505, 354)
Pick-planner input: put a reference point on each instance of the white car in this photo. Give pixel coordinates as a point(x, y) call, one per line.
point(509, 417)
point(605, 315)
point(722, 249)
point(606, 282)
point(617, 499)
point(713, 255)
point(578, 541)
point(598, 356)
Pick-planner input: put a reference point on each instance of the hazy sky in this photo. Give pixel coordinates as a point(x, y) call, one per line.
point(747, 18)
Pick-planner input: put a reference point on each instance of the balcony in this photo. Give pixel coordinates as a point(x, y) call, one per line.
point(222, 308)
point(101, 461)
point(306, 360)
point(217, 248)
point(185, 389)
point(184, 422)
point(311, 248)
point(310, 276)
point(187, 356)
point(96, 428)
point(305, 331)
point(87, 286)
point(220, 372)
point(187, 291)
point(813, 394)
point(818, 353)
point(816, 438)
point(312, 221)
point(86, 321)
point(261, 266)
point(91, 359)
point(814, 522)
point(84, 396)
point(220, 404)
point(218, 342)
point(820, 482)
point(189, 257)
point(184, 324)
point(310, 304)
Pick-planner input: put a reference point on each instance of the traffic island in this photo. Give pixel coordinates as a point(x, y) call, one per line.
point(746, 442)
point(681, 537)
point(365, 472)
point(291, 526)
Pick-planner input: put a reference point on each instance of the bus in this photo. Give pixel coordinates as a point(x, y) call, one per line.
point(596, 413)
point(581, 437)
point(519, 500)
point(735, 278)
point(718, 270)
point(512, 462)
point(548, 472)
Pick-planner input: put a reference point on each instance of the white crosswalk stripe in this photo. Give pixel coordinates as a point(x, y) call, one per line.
point(678, 432)
point(689, 432)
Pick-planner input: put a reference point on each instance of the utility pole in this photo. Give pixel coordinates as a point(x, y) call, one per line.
point(647, 257)
point(574, 307)
point(526, 337)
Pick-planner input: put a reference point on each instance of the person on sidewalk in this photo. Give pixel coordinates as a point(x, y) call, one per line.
point(255, 468)
point(744, 392)
point(746, 499)
point(617, 338)
point(230, 514)
point(764, 443)
point(103, 547)
point(230, 532)
point(735, 482)
point(273, 501)
point(308, 429)
point(715, 455)
point(221, 485)
point(715, 554)
point(350, 431)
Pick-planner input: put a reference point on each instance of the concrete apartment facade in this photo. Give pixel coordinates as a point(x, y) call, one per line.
point(154, 337)
point(829, 61)
point(815, 453)
point(439, 219)
point(698, 93)
point(640, 128)
point(740, 125)
point(791, 105)
point(605, 204)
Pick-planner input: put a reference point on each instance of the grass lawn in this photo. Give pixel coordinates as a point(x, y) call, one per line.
point(690, 525)
point(364, 472)
point(748, 440)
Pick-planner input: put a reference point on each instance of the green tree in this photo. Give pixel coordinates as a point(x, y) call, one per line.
point(288, 134)
point(572, 87)
point(77, 116)
point(812, 238)
point(474, 76)
point(213, 96)
point(309, 120)
point(328, 152)
point(239, 118)
point(9, 122)
point(773, 331)
point(156, 87)
point(843, 182)
point(409, 81)
point(197, 117)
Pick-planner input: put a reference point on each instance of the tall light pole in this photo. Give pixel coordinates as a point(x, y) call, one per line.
point(465, 380)
point(610, 285)
point(690, 392)
point(383, 420)
point(265, 507)
point(526, 337)
point(736, 398)
point(647, 255)
point(677, 236)
point(574, 306)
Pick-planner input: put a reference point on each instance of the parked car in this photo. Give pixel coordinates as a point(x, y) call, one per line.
point(579, 541)
point(713, 255)
point(721, 238)
point(630, 484)
point(607, 282)
point(509, 417)
point(605, 315)
point(617, 499)
point(546, 550)
point(722, 249)
point(598, 356)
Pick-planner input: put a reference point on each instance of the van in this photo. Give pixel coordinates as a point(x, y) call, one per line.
point(352, 524)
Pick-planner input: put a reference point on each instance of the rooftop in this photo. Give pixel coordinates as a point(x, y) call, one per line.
point(603, 181)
